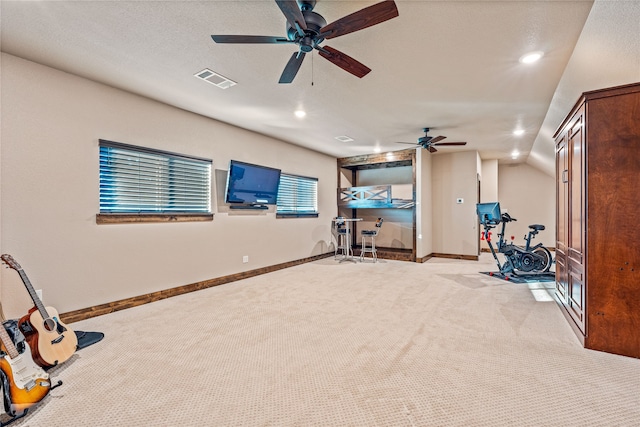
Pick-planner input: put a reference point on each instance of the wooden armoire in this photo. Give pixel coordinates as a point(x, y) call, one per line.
point(598, 219)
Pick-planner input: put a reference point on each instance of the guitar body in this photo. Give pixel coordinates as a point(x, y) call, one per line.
point(51, 341)
point(24, 384)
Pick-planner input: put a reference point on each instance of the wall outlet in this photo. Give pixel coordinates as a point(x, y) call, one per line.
point(39, 293)
point(245, 259)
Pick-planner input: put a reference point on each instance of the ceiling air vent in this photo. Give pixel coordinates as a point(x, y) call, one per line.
point(344, 138)
point(215, 79)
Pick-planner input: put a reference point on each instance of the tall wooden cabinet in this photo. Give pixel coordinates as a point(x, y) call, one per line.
point(598, 219)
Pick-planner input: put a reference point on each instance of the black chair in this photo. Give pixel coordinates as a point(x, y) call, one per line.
point(342, 236)
point(371, 235)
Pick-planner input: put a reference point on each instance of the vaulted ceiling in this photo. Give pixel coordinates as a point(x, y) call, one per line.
point(452, 66)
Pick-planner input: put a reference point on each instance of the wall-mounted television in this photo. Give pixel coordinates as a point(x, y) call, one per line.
point(251, 185)
point(489, 213)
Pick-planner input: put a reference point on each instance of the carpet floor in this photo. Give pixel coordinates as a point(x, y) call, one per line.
point(345, 344)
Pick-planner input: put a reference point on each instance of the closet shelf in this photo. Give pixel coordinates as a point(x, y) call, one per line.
point(371, 197)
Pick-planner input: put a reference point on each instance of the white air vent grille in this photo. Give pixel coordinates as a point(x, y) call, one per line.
point(215, 79)
point(344, 138)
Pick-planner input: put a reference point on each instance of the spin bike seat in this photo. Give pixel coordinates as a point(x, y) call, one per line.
point(536, 227)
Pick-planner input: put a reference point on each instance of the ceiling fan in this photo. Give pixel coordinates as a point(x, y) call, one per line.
point(308, 29)
point(429, 142)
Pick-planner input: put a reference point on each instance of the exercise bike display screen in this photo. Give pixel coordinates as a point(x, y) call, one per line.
point(489, 213)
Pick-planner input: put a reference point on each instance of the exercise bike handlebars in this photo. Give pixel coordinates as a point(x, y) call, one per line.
point(507, 218)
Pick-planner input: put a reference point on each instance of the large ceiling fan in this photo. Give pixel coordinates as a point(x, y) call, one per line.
point(308, 29)
point(429, 142)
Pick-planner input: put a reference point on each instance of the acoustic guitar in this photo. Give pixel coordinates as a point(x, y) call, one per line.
point(24, 383)
point(51, 341)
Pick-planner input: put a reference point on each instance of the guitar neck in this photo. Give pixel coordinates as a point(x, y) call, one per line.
point(8, 343)
point(33, 294)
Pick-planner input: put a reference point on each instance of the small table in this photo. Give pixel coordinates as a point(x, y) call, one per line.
point(347, 225)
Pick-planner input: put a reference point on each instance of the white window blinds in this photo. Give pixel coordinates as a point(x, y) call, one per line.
point(297, 195)
point(142, 180)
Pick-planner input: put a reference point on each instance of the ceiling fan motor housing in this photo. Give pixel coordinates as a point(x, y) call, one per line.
point(314, 23)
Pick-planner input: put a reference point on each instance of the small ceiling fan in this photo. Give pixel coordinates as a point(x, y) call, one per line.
point(308, 29)
point(429, 142)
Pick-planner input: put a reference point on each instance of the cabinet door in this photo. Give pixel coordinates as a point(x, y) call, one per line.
point(576, 216)
point(576, 185)
point(576, 294)
point(562, 221)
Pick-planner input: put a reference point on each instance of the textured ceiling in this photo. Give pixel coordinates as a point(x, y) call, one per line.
point(449, 65)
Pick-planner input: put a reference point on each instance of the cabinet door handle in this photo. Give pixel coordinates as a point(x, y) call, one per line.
point(564, 176)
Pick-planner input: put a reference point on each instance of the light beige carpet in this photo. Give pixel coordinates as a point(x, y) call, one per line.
point(330, 344)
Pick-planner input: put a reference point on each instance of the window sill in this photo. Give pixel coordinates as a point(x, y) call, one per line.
point(107, 218)
point(296, 215)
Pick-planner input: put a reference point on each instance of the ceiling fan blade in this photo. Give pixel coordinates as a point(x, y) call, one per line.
point(249, 39)
point(344, 61)
point(292, 67)
point(432, 149)
point(361, 19)
point(451, 143)
point(408, 143)
point(436, 139)
point(294, 16)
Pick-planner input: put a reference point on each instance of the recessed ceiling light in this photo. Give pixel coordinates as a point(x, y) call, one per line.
point(518, 132)
point(300, 113)
point(531, 57)
point(515, 154)
point(344, 138)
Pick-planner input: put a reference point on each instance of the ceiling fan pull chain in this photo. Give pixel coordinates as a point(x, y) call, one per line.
point(312, 69)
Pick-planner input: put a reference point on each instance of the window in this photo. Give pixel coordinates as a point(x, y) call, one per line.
point(152, 184)
point(297, 196)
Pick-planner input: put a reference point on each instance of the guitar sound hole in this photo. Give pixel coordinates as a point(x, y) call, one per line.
point(50, 325)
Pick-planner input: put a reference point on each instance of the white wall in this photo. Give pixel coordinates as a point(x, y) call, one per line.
point(424, 204)
point(488, 187)
point(529, 195)
point(51, 123)
point(489, 181)
point(455, 229)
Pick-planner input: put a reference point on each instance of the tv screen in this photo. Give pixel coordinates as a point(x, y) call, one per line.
point(489, 213)
point(252, 184)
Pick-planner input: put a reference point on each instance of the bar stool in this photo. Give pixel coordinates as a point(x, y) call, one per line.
point(371, 234)
point(342, 235)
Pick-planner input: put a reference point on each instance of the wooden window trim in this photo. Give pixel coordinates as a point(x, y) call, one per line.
point(119, 218)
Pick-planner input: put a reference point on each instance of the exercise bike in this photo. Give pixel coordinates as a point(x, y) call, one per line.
point(528, 260)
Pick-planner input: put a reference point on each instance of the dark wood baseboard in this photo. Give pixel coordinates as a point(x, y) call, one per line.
point(99, 310)
point(551, 248)
point(424, 258)
point(456, 256)
point(395, 254)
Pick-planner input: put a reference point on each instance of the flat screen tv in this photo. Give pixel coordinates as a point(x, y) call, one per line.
point(252, 185)
point(489, 213)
